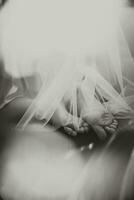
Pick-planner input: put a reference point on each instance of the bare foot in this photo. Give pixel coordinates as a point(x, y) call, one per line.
point(101, 122)
point(103, 125)
point(72, 125)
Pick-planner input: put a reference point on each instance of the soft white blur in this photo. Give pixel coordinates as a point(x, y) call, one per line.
point(42, 164)
point(39, 163)
point(31, 30)
point(128, 27)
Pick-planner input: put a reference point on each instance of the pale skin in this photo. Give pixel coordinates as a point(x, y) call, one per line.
point(13, 112)
point(102, 123)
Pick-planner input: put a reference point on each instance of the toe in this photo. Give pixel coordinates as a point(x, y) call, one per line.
point(101, 133)
point(69, 131)
point(70, 126)
point(107, 122)
point(86, 129)
point(114, 126)
point(85, 124)
point(110, 130)
point(74, 133)
point(115, 122)
point(81, 130)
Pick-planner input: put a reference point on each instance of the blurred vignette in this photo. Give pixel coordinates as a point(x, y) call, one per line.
point(43, 164)
point(106, 175)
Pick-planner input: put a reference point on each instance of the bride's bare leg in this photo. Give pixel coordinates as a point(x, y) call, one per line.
point(13, 111)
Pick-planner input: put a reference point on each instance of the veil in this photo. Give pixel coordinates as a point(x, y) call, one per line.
point(111, 76)
point(83, 50)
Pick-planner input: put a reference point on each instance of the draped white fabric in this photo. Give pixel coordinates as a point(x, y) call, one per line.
point(71, 45)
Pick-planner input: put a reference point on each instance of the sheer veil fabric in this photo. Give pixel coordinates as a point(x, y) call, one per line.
point(71, 45)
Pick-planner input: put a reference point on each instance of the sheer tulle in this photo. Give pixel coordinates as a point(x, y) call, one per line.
point(106, 85)
point(72, 49)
